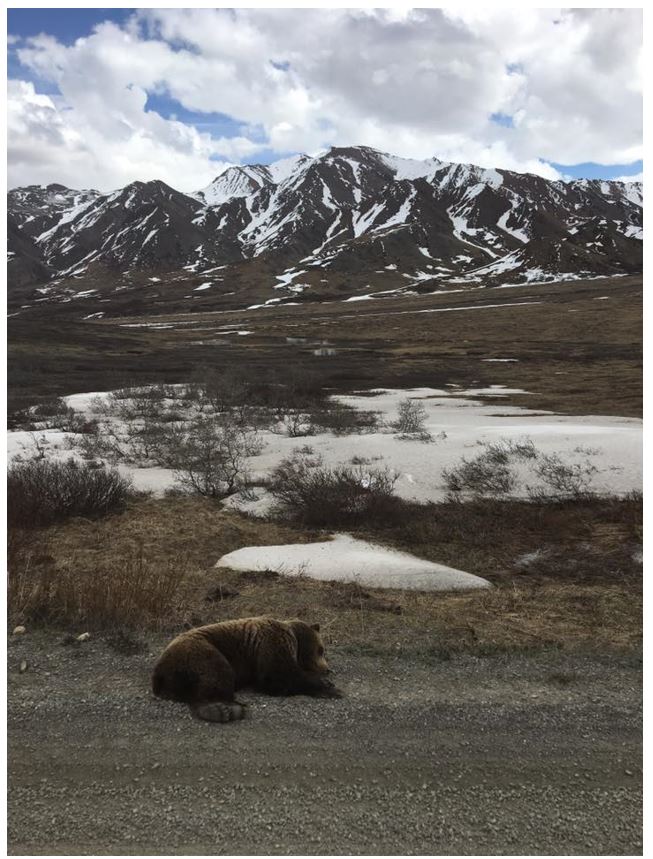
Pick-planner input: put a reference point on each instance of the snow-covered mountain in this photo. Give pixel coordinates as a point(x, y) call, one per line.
point(349, 211)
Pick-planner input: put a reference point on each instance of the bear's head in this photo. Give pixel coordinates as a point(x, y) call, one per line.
point(310, 647)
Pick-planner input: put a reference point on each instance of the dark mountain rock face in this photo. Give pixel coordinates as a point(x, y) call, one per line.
point(37, 208)
point(25, 265)
point(352, 209)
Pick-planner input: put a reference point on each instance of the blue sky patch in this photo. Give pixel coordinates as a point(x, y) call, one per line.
point(503, 119)
point(66, 25)
point(215, 124)
point(590, 170)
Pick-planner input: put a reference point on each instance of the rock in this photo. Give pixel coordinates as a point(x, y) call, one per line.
point(84, 636)
point(23, 666)
point(19, 630)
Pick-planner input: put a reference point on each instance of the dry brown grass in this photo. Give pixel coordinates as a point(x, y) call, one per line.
point(508, 617)
point(126, 592)
point(138, 568)
point(153, 567)
point(589, 541)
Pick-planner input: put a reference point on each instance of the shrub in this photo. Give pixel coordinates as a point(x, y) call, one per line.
point(316, 495)
point(562, 479)
point(507, 450)
point(296, 388)
point(139, 436)
point(40, 492)
point(143, 404)
point(56, 414)
point(490, 473)
point(341, 419)
point(298, 424)
point(482, 475)
point(144, 440)
point(209, 455)
point(410, 423)
point(224, 390)
point(50, 408)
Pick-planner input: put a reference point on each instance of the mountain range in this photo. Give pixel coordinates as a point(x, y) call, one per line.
point(351, 220)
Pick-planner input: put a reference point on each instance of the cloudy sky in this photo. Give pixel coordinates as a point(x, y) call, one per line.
point(101, 97)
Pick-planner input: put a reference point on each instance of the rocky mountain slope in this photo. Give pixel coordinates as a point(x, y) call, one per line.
point(350, 214)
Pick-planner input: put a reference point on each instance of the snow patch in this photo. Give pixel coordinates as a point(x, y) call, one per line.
point(348, 559)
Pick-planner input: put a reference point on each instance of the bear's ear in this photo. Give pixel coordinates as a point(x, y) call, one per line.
point(315, 626)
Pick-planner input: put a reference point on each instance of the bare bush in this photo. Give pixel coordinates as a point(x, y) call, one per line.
point(491, 473)
point(144, 441)
point(411, 421)
point(132, 430)
point(57, 414)
point(508, 450)
point(209, 455)
point(316, 495)
point(122, 393)
point(295, 389)
point(481, 476)
point(293, 424)
point(100, 445)
point(562, 479)
point(40, 492)
point(224, 390)
point(141, 405)
point(341, 419)
point(49, 408)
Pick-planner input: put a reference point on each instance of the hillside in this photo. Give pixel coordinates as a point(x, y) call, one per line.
point(348, 223)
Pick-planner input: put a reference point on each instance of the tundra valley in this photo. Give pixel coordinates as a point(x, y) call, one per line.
point(399, 398)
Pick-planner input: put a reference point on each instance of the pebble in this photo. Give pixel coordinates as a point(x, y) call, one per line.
point(19, 630)
point(84, 636)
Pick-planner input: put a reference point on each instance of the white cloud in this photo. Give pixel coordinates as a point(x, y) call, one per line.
point(635, 177)
point(48, 141)
point(419, 83)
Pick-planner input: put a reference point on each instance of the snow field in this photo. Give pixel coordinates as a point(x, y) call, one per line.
point(460, 426)
point(459, 423)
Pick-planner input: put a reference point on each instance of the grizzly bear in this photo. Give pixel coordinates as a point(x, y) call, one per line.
point(205, 666)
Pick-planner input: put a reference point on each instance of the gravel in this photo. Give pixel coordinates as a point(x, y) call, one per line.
point(509, 754)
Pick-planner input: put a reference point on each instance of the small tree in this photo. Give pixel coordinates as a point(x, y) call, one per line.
point(411, 421)
point(297, 424)
point(209, 456)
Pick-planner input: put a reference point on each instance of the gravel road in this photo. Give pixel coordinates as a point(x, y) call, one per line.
point(509, 754)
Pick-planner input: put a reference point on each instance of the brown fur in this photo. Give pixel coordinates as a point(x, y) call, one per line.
point(205, 666)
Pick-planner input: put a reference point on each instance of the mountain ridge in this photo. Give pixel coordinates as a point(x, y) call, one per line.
point(348, 211)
